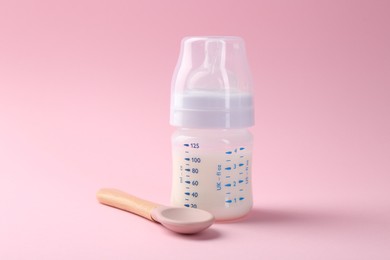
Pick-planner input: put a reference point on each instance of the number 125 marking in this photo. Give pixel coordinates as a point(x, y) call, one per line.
point(195, 145)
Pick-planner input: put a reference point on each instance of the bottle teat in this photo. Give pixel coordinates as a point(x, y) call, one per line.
point(212, 86)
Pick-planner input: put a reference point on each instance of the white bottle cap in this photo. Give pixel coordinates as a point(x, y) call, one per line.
point(212, 85)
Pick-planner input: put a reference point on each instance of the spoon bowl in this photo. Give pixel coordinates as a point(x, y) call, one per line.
point(183, 220)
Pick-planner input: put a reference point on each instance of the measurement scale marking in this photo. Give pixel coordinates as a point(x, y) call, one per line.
point(232, 170)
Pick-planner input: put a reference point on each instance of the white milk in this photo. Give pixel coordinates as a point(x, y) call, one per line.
point(215, 177)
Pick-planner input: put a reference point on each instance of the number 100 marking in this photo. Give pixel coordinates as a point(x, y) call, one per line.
point(196, 160)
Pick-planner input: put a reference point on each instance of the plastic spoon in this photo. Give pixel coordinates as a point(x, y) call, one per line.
point(180, 220)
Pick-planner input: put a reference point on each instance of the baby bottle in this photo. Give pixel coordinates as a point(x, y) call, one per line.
point(211, 108)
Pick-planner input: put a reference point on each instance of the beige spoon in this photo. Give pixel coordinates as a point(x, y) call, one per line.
point(180, 220)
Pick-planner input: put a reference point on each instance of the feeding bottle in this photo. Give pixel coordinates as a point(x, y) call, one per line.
point(212, 108)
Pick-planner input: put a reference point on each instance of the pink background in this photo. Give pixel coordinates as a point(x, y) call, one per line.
point(84, 104)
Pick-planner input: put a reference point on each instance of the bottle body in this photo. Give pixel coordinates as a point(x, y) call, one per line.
point(212, 171)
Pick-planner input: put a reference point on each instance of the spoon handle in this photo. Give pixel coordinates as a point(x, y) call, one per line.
point(121, 200)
